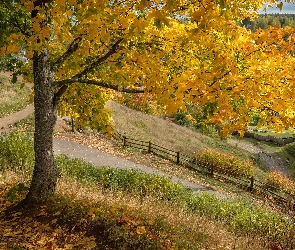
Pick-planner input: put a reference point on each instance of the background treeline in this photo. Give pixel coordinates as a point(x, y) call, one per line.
point(265, 20)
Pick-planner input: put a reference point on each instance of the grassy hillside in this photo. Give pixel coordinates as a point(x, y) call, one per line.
point(145, 127)
point(13, 96)
point(104, 208)
point(266, 155)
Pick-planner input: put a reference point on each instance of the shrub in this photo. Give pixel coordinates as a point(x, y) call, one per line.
point(290, 148)
point(226, 163)
point(182, 118)
point(277, 180)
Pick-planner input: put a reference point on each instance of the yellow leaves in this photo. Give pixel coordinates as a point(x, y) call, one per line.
point(12, 48)
point(45, 32)
point(280, 6)
point(175, 61)
point(29, 6)
point(69, 13)
point(60, 3)
point(42, 213)
point(72, 2)
point(140, 230)
point(158, 14)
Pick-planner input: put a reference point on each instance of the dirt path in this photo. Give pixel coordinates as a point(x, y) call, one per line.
point(7, 122)
point(267, 158)
point(99, 158)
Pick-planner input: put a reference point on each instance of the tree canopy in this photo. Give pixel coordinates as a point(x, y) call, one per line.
point(180, 51)
point(177, 50)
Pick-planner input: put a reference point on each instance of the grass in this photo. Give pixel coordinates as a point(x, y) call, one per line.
point(282, 152)
point(187, 141)
point(135, 124)
point(237, 215)
point(104, 208)
point(265, 131)
point(13, 96)
point(170, 135)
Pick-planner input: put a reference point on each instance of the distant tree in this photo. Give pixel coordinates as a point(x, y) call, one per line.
point(265, 20)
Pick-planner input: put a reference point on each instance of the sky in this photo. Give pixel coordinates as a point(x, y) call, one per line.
point(288, 8)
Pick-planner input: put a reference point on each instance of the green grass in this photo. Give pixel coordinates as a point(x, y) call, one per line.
point(17, 150)
point(13, 96)
point(241, 216)
point(265, 131)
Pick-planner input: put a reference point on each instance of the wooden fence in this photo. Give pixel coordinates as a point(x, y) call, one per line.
point(250, 184)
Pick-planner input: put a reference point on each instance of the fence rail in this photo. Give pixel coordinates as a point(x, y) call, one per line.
point(250, 183)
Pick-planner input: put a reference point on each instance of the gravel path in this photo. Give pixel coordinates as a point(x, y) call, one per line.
point(98, 158)
point(8, 121)
point(269, 159)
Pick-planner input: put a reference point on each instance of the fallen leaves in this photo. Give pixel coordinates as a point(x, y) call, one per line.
point(140, 230)
point(38, 228)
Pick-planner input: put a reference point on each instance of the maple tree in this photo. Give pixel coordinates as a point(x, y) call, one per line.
point(181, 51)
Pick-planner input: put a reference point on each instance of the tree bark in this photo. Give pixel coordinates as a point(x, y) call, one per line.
point(45, 171)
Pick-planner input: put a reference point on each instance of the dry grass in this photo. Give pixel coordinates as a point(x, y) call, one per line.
point(13, 97)
point(217, 235)
point(145, 127)
point(137, 125)
point(200, 232)
point(101, 142)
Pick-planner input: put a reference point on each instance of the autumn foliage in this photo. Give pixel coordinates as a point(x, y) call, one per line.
point(225, 163)
point(276, 179)
point(145, 103)
point(179, 51)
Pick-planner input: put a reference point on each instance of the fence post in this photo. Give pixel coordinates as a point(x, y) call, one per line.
point(73, 124)
point(251, 183)
point(212, 171)
point(150, 147)
point(177, 157)
point(124, 141)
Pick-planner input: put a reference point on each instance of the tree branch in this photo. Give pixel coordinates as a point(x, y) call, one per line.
point(99, 60)
point(98, 83)
point(71, 49)
point(58, 95)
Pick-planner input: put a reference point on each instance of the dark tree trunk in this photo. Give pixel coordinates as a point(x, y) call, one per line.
point(45, 172)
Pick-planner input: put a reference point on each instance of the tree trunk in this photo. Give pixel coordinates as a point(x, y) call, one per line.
point(45, 171)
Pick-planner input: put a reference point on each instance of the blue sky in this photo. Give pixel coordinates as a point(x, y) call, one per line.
point(288, 8)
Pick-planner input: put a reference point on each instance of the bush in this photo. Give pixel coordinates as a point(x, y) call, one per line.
point(182, 118)
point(16, 151)
point(226, 163)
point(279, 181)
point(209, 130)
